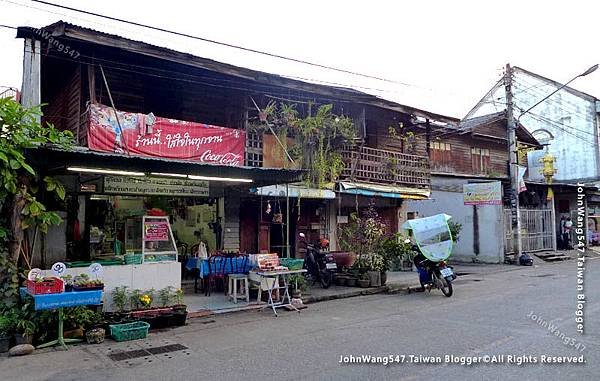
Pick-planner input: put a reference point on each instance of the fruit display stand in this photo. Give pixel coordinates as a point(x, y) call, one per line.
point(59, 301)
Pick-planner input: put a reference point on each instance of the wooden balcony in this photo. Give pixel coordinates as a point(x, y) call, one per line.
point(378, 166)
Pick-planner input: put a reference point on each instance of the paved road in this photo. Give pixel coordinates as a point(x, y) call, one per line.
point(488, 315)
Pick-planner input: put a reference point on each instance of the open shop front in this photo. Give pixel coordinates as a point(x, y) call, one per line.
point(143, 219)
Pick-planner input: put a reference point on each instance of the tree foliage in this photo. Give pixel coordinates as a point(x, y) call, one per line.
point(20, 184)
point(318, 138)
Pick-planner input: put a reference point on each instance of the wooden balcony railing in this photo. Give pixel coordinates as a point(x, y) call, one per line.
point(386, 167)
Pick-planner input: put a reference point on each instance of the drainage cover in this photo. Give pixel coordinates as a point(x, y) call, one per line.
point(120, 356)
point(166, 349)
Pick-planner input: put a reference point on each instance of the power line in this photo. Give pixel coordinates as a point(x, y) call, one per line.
point(278, 56)
point(566, 106)
point(8, 26)
point(259, 87)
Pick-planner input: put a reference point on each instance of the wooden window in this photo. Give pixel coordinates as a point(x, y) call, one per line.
point(440, 154)
point(254, 149)
point(480, 160)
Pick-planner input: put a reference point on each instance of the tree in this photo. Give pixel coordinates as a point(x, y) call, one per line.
point(318, 139)
point(19, 183)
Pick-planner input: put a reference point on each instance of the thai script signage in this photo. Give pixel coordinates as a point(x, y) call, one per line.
point(156, 231)
point(147, 135)
point(157, 186)
point(489, 193)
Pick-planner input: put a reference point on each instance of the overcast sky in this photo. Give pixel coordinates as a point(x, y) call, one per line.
point(447, 53)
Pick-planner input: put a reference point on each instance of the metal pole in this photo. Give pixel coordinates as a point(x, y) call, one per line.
point(287, 220)
point(513, 165)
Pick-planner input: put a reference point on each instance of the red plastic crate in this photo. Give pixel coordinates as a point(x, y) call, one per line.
point(53, 286)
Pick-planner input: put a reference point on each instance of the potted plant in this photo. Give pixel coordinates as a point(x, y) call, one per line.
point(68, 279)
point(376, 266)
point(297, 284)
point(134, 299)
point(119, 299)
point(79, 319)
point(354, 274)
point(25, 329)
point(179, 303)
point(95, 335)
point(164, 314)
point(340, 279)
point(364, 281)
point(7, 326)
point(179, 309)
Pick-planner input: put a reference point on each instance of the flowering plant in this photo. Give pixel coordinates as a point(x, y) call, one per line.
point(146, 300)
point(377, 263)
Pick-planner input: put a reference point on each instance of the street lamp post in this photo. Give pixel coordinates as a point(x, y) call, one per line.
point(512, 147)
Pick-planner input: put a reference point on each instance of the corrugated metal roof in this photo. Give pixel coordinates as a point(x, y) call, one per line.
point(88, 35)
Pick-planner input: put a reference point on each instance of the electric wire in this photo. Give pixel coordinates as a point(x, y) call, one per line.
point(256, 51)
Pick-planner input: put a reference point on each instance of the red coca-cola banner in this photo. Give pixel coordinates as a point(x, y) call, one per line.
point(147, 135)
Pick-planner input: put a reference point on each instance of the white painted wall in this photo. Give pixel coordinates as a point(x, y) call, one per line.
point(447, 197)
point(143, 277)
point(569, 116)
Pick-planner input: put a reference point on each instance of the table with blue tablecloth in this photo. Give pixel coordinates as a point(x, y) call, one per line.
point(232, 265)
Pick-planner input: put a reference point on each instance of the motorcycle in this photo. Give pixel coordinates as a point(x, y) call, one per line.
point(319, 264)
point(433, 246)
point(433, 274)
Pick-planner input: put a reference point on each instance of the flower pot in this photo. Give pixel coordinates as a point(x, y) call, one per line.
point(178, 319)
point(4, 343)
point(340, 280)
point(351, 282)
point(375, 278)
point(76, 333)
point(163, 320)
point(364, 283)
point(95, 336)
point(180, 307)
point(21, 339)
point(296, 294)
point(383, 277)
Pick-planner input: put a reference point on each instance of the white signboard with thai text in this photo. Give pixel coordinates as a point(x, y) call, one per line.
point(489, 193)
point(158, 186)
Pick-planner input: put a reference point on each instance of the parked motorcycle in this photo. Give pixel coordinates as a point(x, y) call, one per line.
point(434, 244)
point(319, 264)
point(433, 274)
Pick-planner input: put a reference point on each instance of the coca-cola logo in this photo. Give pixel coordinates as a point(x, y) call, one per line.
point(228, 158)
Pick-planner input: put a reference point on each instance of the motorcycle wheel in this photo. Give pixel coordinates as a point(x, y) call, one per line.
point(326, 278)
point(443, 284)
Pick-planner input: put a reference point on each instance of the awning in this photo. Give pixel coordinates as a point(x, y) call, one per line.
point(295, 190)
point(389, 191)
point(58, 159)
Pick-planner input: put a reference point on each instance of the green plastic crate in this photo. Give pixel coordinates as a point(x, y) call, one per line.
point(133, 259)
point(129, 331)
point(292, 263)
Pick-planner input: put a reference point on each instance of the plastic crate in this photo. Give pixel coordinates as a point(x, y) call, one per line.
point(292, 263)
point(129, 331)
point(133, 259)
point(51, 286)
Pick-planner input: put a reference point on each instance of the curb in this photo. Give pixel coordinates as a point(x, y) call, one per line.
point(392, 288)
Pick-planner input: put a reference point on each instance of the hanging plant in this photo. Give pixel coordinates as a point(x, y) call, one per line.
point(321, 137)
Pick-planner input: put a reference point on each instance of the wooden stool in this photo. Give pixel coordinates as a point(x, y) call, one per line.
point(233, 285)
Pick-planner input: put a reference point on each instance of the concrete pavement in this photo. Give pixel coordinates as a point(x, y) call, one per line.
point(488, 315)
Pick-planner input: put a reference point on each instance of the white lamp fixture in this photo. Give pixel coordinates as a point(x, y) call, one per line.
point(139, 174)
point(211, 178)
point(169, 175)
point(105, 171)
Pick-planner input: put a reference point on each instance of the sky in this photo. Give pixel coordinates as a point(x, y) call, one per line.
point(441, 56)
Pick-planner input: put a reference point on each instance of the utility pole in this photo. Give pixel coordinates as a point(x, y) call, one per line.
point(513, 165)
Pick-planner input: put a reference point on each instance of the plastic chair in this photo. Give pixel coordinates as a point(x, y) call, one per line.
point(216, 271)
point(238, 276)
